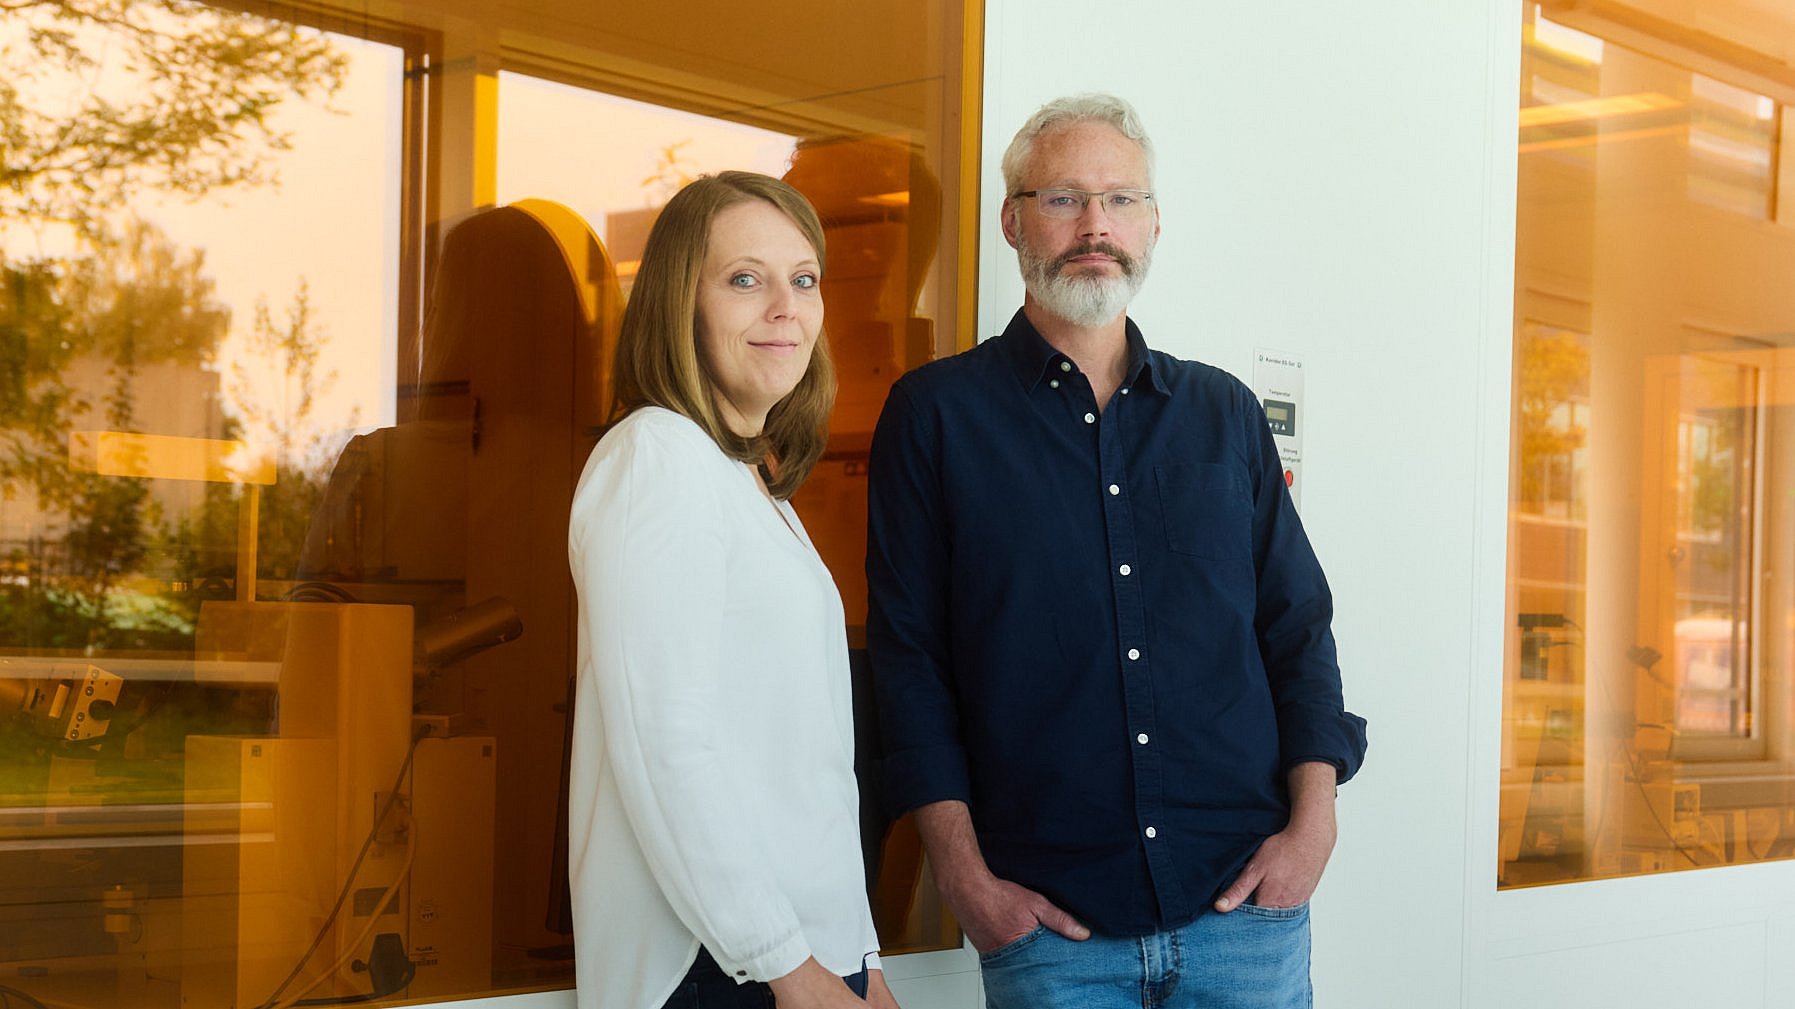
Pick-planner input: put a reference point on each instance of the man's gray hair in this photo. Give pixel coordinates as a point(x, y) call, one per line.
point(1066, 111)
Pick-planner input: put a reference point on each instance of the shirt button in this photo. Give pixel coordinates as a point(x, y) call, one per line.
point(1134, 653)
point(1053, 383)
point(1141, 739)
point(1124, 391)
point(1114, 490)
point(1065, 365)
point(1126, 570)
point(1152, 833)
point(1090, 418)
point(743, 973)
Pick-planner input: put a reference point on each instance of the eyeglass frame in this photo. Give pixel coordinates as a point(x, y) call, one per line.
point(1146, 196)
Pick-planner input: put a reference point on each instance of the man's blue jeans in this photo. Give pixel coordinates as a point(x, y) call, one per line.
point(1250, 958)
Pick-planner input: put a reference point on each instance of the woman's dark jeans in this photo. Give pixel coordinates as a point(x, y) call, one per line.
point(705, 986)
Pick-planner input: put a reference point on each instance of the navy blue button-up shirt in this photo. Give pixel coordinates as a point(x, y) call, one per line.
point(1106, 632)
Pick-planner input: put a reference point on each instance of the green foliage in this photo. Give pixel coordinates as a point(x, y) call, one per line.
point(281, 419)
point(103, 100)
point(1714, 485)
point(75, 335)
point(33, 321)
point(1552, 372)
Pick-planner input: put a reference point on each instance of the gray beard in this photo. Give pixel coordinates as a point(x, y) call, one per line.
point(1083, 301)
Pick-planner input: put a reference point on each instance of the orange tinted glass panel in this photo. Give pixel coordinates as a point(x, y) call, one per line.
point(304, 336)
point(1649, 696)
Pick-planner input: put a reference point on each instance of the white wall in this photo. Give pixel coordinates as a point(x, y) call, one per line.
point(1337, 181)
point(1332, 183)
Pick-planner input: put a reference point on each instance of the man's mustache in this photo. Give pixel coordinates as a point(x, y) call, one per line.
point(1123, 259)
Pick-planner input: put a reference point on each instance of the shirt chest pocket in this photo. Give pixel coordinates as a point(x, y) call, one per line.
point(1206, 510)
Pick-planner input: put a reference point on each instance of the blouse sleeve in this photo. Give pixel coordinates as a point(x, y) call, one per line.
point(648, 549)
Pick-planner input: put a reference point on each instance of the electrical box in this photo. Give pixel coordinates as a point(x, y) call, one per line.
point(1278, 382)
point(278, 827)
point(449, 914)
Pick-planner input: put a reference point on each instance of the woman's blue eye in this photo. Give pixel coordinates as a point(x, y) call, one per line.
point(742, 280)
point(806, 281)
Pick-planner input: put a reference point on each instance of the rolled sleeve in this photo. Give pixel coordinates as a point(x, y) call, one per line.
point(921, 775)
point(774, 963)
point(1336, 738)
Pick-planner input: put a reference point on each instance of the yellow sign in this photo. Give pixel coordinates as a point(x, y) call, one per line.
point(122, 453)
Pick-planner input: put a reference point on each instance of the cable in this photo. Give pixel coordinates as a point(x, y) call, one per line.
point(349, 881)
point(411, 973)
point(392, 798)
point(318, 592)
point(276, 1001)
point(8, 993)
point(1642, 659)
point(392, 890)
point(1639, 783)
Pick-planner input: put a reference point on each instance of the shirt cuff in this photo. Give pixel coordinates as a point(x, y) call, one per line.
point(919, 776)
point(1336, 738)
point(777, 962)
point(872, 961)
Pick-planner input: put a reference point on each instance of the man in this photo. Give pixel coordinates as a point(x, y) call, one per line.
point(1100, 637)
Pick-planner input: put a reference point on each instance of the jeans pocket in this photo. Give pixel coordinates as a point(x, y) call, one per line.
point(1015, 945)
point(1275, 913)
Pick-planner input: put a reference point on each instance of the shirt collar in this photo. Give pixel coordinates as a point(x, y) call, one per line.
point(1035, 361)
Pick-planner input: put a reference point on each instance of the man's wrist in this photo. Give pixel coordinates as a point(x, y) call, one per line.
point(954, 858)
point(1312, 820)
point(1312, 795)
point(961, 877)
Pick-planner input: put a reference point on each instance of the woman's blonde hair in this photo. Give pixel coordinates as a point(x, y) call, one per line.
point(658, 363)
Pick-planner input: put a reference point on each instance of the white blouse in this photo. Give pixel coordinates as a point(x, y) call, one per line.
point(713, 796)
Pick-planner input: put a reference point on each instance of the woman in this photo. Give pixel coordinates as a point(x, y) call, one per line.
point(715, 848)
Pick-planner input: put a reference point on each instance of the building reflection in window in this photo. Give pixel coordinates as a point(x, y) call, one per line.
point(1649, 701)
point(290, 410)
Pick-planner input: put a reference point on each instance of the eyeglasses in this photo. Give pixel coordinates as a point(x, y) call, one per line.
point(1066, 204)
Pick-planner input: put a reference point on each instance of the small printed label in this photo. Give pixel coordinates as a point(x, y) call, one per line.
point(1278, 382)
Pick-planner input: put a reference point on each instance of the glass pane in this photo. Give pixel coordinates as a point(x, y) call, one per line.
point(1648, 722)
point(185, 356)
point(1732, 147)
point(618, 192)
point(1717, 410)
point(868, 189)
point(304, 337)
